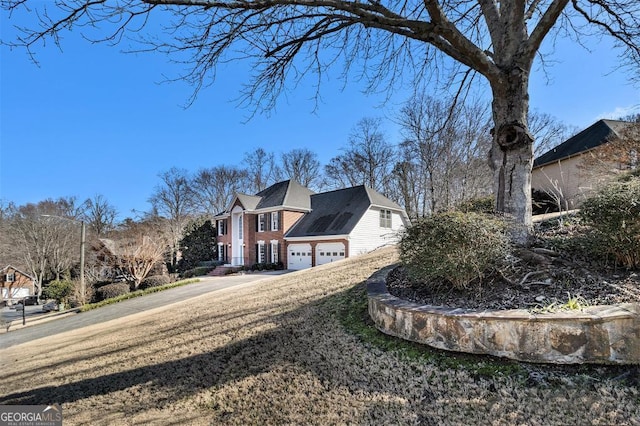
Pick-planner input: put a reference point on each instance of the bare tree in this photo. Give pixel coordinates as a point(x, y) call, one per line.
point(45, 237)
point(443, 160)
point(618, 155)
point(391, 40)
point(367, 160)
point(173, 200)
point(99, 215)
point(547, 131)
point(302, 165)
point(135, 255)
point(214, 188)
point(262, 169)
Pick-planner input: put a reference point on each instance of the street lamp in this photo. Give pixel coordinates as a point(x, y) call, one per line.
point(82, 244)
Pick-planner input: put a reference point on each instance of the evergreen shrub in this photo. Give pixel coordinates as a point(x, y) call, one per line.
point(454, 247)
point(154, 281)
point(478, 205)
point(60, 290)
point(197, 272)
point(112, 290)
point(614, 213)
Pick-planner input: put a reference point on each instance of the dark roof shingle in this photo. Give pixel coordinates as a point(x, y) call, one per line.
point(338, 212)
point(600, 132)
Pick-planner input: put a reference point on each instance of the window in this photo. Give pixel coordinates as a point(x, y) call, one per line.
point(222, 228)
point(261, 222)
point(10, 277)
point(274, 252)
point(385, 218)
point(261, 252)
point(275, 221)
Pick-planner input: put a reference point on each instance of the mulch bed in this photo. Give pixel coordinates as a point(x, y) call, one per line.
point(537, 278)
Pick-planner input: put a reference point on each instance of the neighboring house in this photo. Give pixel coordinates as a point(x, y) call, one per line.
point(561, 171)
point(15, 284)
point(290, 224)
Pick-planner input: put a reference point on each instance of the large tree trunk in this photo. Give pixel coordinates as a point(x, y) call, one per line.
point(512, 150)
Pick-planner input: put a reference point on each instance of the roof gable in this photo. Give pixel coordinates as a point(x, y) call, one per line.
point(249, 202)
point(6, 268)
point(602, 131)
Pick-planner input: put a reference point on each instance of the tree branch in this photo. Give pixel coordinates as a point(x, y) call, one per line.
point(546, 22)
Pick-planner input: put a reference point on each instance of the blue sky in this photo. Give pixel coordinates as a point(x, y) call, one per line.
point(93, 120)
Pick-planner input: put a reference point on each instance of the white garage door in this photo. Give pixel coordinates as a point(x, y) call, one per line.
point(15, 293)
point(299, 256)
point(329, 252)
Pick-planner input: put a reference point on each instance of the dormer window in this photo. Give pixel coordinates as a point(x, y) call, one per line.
point(385, 218)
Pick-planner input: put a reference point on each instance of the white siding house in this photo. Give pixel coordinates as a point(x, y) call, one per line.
point(368, 235)
point(345, 223)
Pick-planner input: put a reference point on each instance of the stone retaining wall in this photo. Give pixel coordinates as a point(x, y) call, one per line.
point(598, 334)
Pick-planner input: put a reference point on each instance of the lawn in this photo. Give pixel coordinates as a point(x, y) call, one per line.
point(296, 349)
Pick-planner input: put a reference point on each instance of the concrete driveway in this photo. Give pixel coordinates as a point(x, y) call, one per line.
point(39, 326)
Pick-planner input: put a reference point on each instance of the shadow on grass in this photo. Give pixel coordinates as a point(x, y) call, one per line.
point(312, 339)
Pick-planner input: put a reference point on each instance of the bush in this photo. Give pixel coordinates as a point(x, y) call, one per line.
point(478, 205)
point(154, 281)
point(112, 290)
point(454, 247)
point(614, 212)
point(60, 290)
point(197, 272)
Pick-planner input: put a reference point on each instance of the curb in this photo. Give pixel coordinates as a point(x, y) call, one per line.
point(17, 323)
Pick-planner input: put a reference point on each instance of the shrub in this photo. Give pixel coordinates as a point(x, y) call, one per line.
point(614, 212)
point(478, 205)
point(154, 281)
point(196, 272)
point(112, 290)
point(60, 290)
point(454, 247)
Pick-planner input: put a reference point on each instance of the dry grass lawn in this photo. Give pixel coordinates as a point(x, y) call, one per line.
point(273, 353)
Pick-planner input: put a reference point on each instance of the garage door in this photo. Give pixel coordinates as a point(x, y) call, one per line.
point(15, 293)
point(299, 256)
point(329, 252)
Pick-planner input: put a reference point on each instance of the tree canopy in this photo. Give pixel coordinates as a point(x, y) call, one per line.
point(382, 42)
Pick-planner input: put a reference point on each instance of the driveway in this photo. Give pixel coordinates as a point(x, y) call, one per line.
point(74, 320)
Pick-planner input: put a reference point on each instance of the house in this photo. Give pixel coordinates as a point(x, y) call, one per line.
point(15, 284)
point(290, 224)
point(563, 172)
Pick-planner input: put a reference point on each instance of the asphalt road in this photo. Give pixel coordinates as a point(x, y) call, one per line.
point(127, 307)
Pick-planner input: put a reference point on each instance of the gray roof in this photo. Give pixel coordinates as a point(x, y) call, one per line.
point(249, 202)
point(600, 132)
point(338, 212)
point(288, 193)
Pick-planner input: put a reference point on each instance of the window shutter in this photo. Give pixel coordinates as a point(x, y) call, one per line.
point(267, 220)
point(267, 253)
point(257, 253)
